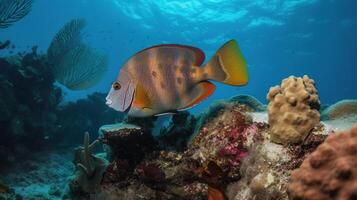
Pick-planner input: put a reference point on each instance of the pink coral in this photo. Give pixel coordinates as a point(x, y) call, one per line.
point(330, 172)
point(236, 150)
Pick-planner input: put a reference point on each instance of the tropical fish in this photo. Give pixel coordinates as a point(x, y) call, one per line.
point(168, 78)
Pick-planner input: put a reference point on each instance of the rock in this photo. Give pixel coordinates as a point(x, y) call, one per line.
point(127, 142)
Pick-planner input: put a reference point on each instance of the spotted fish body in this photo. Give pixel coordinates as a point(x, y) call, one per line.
point(168, 78)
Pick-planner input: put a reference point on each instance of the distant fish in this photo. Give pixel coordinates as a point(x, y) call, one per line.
point(168, 78)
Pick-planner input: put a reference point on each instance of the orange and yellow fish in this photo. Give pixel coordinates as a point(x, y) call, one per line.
point(169, 78)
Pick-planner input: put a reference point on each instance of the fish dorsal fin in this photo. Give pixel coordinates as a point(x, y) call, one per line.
point(200, 92)
point(199, 55)
point(141, 98)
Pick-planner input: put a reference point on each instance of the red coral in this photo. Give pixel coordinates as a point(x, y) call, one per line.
point(236, 150)
point(233, 153)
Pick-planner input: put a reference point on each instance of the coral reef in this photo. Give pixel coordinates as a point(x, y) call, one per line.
point(224, 138)
point(249, 101)
point(12, 11)
point(341, 115)
point(342, 109)
point(74, 64)
point(266, 170)
point(32, 116)
point(293, 109)
point(330, 172)
point(227, 152)
point(89, 171)
point(206, 166)
point(28, 105)
point(230, 156)
point(127, 142)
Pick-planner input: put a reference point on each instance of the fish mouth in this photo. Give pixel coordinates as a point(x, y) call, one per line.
point(108, 102)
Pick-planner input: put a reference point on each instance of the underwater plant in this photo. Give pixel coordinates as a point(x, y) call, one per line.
point(75, 64)
point(12, 11)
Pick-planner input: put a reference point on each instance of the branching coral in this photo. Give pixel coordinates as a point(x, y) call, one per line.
point(293, 109)
point(12, 11)
point(75, 64)
point(89, 169)
point(330, 172)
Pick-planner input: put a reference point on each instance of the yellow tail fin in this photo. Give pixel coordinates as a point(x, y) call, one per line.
point(227, 66)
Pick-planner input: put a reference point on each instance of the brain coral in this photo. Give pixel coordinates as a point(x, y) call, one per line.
point(330, 172)
point(342, 109)
point(293, 109)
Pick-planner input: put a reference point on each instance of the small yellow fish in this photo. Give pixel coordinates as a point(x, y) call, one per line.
point(169, 78)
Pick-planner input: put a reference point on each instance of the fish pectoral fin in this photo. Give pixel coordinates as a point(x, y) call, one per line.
point(141, 98)
point(199, 93)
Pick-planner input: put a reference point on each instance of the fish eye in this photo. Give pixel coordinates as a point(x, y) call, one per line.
point(116, 86)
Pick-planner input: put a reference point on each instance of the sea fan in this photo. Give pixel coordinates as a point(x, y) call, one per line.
point(75, 64)
point(80, 68)
point(66, 39)
point(12, 11)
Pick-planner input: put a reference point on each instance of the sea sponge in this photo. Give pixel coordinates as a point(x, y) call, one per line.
point(330, 172)
point(293, 109)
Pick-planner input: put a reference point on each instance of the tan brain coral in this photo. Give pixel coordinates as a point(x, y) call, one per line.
point(329, 173)
point(293, 109)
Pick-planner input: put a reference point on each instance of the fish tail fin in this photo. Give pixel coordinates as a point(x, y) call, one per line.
point(227, 66)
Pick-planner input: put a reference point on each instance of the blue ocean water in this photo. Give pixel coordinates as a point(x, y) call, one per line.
point(278, 38)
